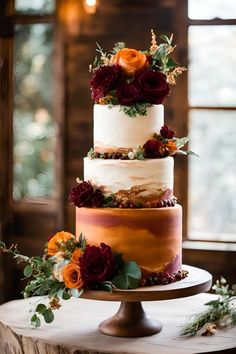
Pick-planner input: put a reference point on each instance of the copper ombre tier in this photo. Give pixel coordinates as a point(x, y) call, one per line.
point(150, 237)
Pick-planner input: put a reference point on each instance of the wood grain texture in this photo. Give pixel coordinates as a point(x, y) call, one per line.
point(197, 281)
point(75, 331)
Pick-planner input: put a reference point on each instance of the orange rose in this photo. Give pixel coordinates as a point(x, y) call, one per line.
point(171, 146)
point(76, 255)
point(58, 238)
point(72, 276)
point(130, 60)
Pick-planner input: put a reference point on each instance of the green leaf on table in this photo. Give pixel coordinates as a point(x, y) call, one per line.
point(35, 321)
point(41, 308)
point(212, 303)
point(66, 295)
point(48, 316)
point(28, 271)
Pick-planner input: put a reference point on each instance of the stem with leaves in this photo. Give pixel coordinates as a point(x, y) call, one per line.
point(221, 310)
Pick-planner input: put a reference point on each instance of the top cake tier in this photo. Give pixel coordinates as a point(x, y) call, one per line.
point(116, 131)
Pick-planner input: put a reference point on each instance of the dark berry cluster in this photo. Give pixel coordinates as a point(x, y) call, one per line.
point(109, 155)
point(130, 205)
point(159, 203)
point(163, 278)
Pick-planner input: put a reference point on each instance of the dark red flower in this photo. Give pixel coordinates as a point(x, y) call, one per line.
point(153, 86)
point(166, 132)
point(81, 194)
point(128, 94)
point(97, 93)
point(152, 148)
point(104, 79)
point(97, 199)
point(97, 264)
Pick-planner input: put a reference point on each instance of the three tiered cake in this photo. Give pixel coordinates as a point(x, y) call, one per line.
point(126, 199)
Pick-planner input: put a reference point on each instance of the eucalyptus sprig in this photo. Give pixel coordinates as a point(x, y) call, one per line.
point(40, 282)
point(137, 109)
point(220, 311)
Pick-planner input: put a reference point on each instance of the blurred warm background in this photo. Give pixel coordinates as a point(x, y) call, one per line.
point(46, 47)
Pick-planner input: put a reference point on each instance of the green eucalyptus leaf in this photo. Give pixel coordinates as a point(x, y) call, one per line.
point(35, 321)
point(132, 282)
point(41, 308)
point(66, 295)
point(60, 293)
point(120, 281)
point(74, 292)
point(104, 286)
point(28, 271)
point(48, 316)
point(132, 269)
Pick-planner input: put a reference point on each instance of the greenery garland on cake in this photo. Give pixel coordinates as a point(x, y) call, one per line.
point(134, 79)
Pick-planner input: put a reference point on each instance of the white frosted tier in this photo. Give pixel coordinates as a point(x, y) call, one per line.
point(147, 179)
point(113, 129)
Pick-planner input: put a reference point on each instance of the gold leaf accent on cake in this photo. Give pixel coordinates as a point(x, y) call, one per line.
point(138, 194)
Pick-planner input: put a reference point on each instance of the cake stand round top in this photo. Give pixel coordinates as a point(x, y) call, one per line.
point(197, 281)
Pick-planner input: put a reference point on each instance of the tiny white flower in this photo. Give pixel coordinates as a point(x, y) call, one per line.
point(78, 180)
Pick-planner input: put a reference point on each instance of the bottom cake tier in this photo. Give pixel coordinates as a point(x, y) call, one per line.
point(150, 237)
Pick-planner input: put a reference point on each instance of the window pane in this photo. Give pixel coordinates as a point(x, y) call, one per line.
point(35, 6)
point(212, 61)
point(209, 9)
point(212, 176)
point(34, 130)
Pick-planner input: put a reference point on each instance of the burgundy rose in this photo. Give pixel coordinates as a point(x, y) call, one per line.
point(104, 79)
point(97, 93)
point(152, 148)
point(97, 199)
point(81, 194)
point(128, 94)
point(166, 132)
point(153, 86)
point(97, 264)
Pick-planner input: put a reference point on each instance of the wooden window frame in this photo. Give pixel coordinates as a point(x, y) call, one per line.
point(216, 257)
point(18, 217)
point(11, 20)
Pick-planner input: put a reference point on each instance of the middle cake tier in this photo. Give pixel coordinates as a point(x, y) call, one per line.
point(140, 181)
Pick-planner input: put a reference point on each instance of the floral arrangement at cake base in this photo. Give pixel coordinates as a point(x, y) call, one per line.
point(70, 265)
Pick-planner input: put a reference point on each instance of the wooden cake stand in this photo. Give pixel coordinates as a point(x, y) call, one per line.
point(131, 319)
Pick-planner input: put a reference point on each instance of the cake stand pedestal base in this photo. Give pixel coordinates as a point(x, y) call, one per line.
point(130, 321)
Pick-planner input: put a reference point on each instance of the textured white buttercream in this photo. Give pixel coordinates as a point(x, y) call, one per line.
point(114, 129)
point(113, 176)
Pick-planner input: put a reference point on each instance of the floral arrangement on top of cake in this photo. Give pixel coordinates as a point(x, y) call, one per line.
point(134, 79)
point(69, 266)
